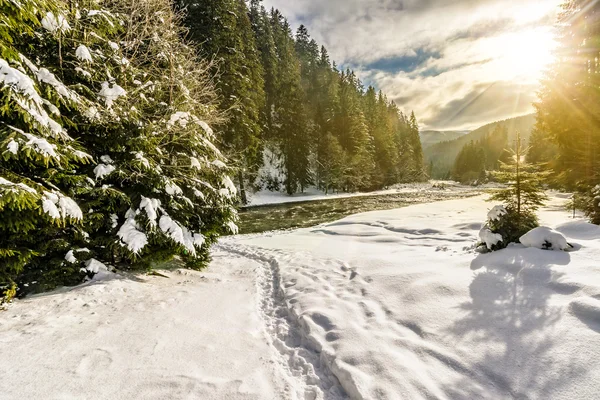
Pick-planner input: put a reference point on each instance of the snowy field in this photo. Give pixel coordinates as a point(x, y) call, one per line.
point(382, 305)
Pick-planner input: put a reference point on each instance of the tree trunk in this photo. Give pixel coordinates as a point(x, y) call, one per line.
point(242, 189)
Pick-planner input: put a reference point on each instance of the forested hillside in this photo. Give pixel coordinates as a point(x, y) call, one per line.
point(295, 118)
point(429, 138)
point(441, 156)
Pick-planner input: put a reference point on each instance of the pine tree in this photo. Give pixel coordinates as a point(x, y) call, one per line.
point(522, 196)
point(160, 154)
point(470, 164)
point(568, 112)
point(416, 148)
point(291, 117)
point(40, 220)
point(265, 42)
point(119, 184)
point(223, 31)
point(332, 164)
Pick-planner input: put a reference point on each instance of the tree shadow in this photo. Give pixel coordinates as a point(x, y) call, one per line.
point(140, 277)
point(509, 321)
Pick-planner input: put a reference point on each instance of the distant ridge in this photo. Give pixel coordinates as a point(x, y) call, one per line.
point(429, 138)
point(442, 155)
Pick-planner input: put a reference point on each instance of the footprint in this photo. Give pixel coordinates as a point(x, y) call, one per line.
point(97, 359)
point(323, 321)
point(564, 287)
point(332, 336)
point(588, 311)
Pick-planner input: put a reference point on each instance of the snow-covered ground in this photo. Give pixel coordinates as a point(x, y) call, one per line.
point(382, 305)
point(265, 197)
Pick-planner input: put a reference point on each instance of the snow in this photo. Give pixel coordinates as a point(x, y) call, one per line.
point(103, 170)
point(142, 337)
point(58, 206)
point(41, 145)
point(219, 164)
point(544, 238)
point(496, 213)
point(142, 159)
point(382, 305)
point(83, 54)
point(151, 207)
point(94, 265)
point(396, 304)
point(207, 129)
point(211, 146)
point(12, 147)
point(195, 163)
point(114, 220)
point(69, 208)
point(489, 238)
point(233, 228)
point(53, 23)
point(48, 77)
point(230, 189)
point(172, 189)
point(106, 159)
point(180, 117)
point(49, 202)
point(32, 102)
point(131, 236)
point(13, 186)
point(70, 257)
point(110, 93)
point(91, 113)
point(180, 234)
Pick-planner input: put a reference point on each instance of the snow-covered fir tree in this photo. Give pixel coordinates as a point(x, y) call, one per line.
point(41, 163)
point(107, 146)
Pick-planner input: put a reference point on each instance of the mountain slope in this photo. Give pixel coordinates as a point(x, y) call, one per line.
point(429, 138)
point(442, 155)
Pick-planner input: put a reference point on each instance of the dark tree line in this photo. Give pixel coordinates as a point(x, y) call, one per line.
point(319, 125)
point(486, 154)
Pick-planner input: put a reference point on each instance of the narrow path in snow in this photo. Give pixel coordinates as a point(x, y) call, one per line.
point(313, 377)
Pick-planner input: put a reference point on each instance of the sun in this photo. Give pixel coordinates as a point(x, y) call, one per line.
point(525, 55)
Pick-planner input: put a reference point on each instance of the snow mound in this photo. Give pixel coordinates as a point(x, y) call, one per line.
point(580, 230)
point(545, 238)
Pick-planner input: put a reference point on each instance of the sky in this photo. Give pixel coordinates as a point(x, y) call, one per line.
point(458, 64)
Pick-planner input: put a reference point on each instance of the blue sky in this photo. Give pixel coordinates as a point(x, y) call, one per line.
point(457, 63)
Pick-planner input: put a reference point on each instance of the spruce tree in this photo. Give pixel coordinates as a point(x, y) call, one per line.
point(416, 148)
point(568, 112)
point(106, 143)
point(39, 164)
point(162, 187)
point(291, 119)
point(522, 197)
point(223, 31)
